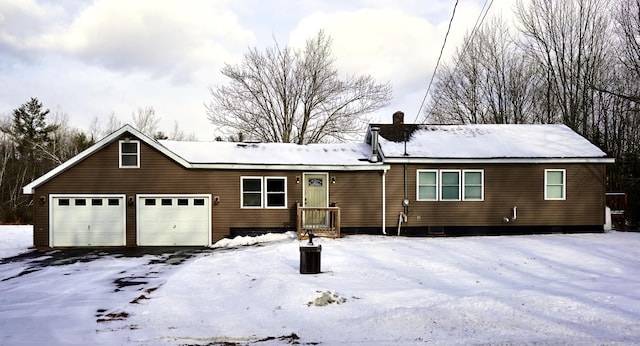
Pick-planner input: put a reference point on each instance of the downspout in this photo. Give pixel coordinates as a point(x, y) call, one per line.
point(384, 201)
point(405, 200)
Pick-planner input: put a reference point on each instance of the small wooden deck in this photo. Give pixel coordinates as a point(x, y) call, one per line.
point(321, 222)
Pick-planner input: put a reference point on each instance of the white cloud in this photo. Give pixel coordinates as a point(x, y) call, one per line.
point(390, 44)
point(379, 42)
point(20, 19)
point(94, 57)
point(161, 37)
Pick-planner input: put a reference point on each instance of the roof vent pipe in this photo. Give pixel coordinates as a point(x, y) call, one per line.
point(374, 144)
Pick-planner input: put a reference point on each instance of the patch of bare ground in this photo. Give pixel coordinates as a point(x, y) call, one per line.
point(291, 339)
point(113, 316)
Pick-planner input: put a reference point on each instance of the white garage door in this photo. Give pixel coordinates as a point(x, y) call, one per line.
point(174, 220)
point(87, 220)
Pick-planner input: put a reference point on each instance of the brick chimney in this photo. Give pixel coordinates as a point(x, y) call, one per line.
point(398, 118)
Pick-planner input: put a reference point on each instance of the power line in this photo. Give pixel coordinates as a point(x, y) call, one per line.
point(476, 27)
point(437, 62)
point(481, 17)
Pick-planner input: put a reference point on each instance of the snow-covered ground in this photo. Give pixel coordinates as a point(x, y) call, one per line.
point(15, 240)
point(373, 290)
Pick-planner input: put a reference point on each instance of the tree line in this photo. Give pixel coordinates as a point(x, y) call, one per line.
point(574, 62)
point(33, 140)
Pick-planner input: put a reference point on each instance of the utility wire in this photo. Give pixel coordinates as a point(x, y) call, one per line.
point(481, 17)
point(437, 62)
point(476, 27)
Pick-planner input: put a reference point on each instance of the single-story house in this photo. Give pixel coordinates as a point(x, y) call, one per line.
point(490, 179)
point(131, 190)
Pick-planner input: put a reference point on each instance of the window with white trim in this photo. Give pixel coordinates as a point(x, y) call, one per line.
point(472, 182)
point(555, 184)
point(263, 192)
point(450, 185)
point(251, 192)
point(129, 154)
point(276, 192)
point(427, 189)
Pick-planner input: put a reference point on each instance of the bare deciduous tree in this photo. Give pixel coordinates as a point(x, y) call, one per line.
point(569, 41)
point(179, 135)
point(287, 95)
point(113, 124)
point(146, 120)
point(66, 141)
point(627, 16)
point(490, 82)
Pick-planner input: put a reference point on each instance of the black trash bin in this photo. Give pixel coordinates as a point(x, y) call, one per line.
point(310, 259)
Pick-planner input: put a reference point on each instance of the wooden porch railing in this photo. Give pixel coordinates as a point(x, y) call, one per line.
point(322, 222)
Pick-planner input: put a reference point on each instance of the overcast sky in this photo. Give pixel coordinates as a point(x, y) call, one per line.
point(93, 58)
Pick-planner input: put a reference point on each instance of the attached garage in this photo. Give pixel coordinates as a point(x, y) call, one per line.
point(87, 220)
point(174, 220)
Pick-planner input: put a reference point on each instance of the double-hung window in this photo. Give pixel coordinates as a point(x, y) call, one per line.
point(427, 185)
point(251, 192)
point(449, 185)
point(555, 184)
point(472, 182)
point(263, 192)
point(129, 154)
point(276, 192)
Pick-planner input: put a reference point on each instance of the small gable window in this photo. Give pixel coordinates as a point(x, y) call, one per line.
point(129, 154)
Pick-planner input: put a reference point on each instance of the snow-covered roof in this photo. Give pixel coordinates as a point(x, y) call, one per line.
point(282, 154)
point(505, 141)
point(438, 143)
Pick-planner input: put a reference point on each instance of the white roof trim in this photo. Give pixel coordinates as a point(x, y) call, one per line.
point(497, 160)
point(29, 189)
point(370, 167)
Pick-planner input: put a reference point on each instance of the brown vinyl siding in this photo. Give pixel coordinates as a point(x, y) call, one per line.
point(358, 194)
point(505, 186)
